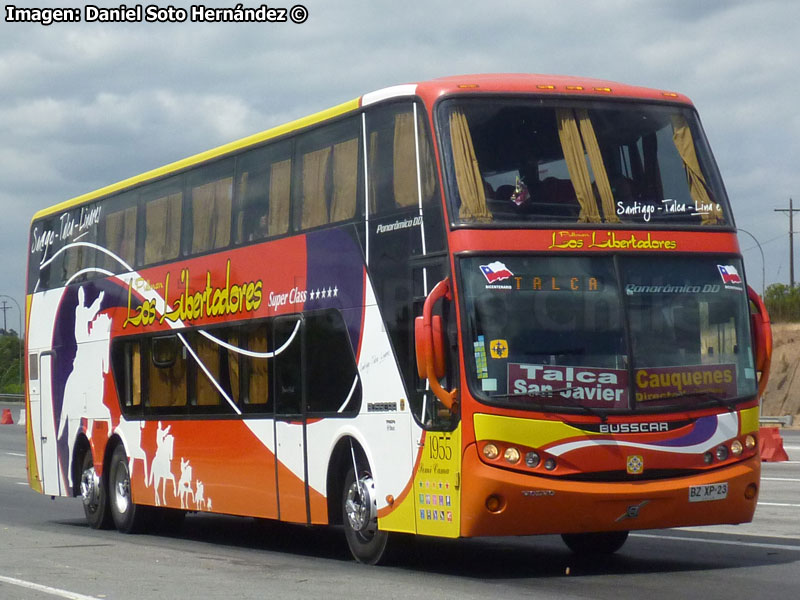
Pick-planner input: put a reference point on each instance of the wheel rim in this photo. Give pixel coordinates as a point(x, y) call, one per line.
point(122, 489)
point(361, 508)
point(90, 489)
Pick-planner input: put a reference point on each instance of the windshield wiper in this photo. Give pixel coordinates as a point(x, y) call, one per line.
point(549, 395)
point(727, 403)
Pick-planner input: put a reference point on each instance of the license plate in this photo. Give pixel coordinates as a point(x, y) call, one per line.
point(707, 493)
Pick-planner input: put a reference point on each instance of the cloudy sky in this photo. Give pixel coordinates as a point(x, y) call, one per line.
point(83, 105)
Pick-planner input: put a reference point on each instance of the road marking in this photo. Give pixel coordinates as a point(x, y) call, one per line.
point(778, 479)
point(15, 454)
point(45, 589)
point(778, 504)
point(720, 542)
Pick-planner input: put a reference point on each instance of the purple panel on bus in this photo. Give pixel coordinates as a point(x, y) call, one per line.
point(335, 276)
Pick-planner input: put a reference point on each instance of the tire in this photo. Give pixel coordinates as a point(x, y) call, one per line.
point(94, 495)
point(606, 542)
point(359, 516)
point(128, 517)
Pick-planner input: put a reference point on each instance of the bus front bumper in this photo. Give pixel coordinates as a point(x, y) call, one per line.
point(498, 502)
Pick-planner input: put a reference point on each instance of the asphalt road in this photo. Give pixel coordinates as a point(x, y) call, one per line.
point(46, 542)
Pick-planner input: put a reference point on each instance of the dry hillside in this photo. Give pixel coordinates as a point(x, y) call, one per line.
point(782, 396)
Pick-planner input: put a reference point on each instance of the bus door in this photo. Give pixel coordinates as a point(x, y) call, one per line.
point(291, 464)
point(45, 437)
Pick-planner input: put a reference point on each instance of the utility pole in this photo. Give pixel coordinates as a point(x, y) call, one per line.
point(791, 212)
point(4, 308)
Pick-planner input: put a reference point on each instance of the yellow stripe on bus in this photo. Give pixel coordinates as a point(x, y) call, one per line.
point(296, 125)
point(526, 432)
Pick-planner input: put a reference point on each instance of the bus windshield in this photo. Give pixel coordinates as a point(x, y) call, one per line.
point(526, 161)
point(605, 333)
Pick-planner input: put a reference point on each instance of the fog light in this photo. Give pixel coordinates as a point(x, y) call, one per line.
point(721, 452)
point(511, 455)
point(736, 448)
point(751, 491)
point(750, 442)
point(550, 464)
point(532, 459)
point(494, 503)
point(490, 451)
point(708, 458)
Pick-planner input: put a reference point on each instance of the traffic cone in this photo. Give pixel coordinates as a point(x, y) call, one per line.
point(6, 419)
point(770, 444)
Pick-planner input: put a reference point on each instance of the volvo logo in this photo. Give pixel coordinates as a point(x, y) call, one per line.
point(633, 511)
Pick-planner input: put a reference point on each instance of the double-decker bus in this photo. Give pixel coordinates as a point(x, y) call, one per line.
point(473, 306)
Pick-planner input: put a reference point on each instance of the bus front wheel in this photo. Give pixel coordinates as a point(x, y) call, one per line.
point(360, 517)
point(605, 542)
point(128, 517)
point(94, 495)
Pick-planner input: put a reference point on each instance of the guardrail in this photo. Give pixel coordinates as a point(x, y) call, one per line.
point(12, 398)
point(784, 421)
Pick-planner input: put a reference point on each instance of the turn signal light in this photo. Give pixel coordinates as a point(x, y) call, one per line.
point(750, 442)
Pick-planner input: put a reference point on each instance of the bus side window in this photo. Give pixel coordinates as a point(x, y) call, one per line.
point(328, 174)
point(333, 385)
point(287, 342)
point(164, 378)
point(262, 192)
point(162, 221)
point(117, 233)
point(248, 374)
point(210, 197)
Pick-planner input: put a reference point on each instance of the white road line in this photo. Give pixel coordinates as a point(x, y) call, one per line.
point(739, 543)
point(778, 479)
point(45, 589)
point(15, 454)
point(778, 504)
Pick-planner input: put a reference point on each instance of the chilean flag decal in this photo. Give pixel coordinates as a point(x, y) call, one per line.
point(729, 274)
point(495, 272)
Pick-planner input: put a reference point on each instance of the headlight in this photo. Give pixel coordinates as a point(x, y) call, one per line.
point(721, 452)
point(736, 448)
point(511, 455)
point(490, 451)
point(532, 459)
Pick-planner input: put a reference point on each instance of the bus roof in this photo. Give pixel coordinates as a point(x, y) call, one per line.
point(429, 91)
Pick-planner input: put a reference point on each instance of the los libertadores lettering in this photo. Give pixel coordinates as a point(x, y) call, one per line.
point(190, 305)
point(154, 13)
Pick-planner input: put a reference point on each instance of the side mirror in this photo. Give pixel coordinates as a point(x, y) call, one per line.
point(429, 345)
point(437, 334)
point(762, 338)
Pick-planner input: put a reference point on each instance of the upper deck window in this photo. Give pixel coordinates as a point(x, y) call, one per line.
point(529, 161)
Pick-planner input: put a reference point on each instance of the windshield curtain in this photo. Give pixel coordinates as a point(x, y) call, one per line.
point(614, 334)
point(530, 161)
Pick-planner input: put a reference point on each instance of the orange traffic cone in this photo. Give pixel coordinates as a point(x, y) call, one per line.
point(770, 443)
point(6, 419)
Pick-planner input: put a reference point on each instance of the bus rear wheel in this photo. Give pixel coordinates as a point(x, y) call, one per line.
point(94, 495)
point(128, 517)
point(605, 542)
point(360, 517)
